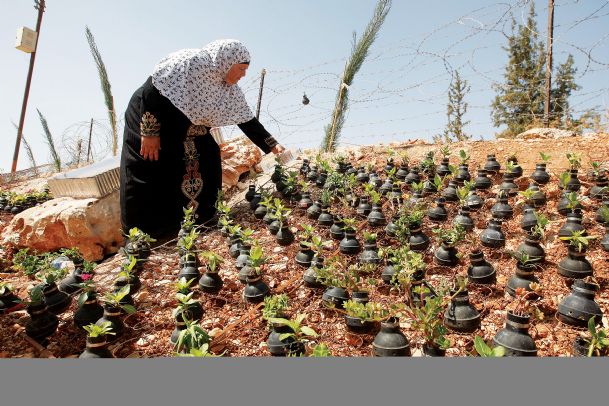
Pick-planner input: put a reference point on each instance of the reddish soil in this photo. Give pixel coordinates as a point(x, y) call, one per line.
point(239, 329)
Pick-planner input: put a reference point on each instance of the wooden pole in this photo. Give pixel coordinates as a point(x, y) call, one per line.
point(262, 74)
point(546, 113)
point(40, 6)
point(89, 144)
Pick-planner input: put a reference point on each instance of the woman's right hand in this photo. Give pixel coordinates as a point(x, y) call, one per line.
point(150, 147)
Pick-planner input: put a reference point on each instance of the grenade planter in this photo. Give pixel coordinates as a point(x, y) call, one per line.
point(255, 289)
point(210, 282)
point(463, 174)
point(492, 236)
point(260, 212)
point(402, 173)
point(69, 284)
point(390, 341)
point(274, 227)
point(284, 236)
point(529, 219)
point(508, 185)
point(599, 191)
point(443, 169)
point(325, 219)
point(349, 245)
point(358, 325)
point(42, 323)
point(515, 338)
point(460, 315)
point(532, 249)
point(502, 210)
point(574, 184)
point(482, 182)
point(463, 219)
point(418, 240)
point(522, 278)
point(336, 230)
point(563, 205)
point(576, 265)
point(251, 191)
point(439, 213)
point(9, 302)
point(572, 225)
point(112, 314)
point(189, 271)
point(413, 176)
point(474, 201)
point(314, 210)
point(541, 176)
point(56, 301)
point(446, 255)
point(287, 346)
point(480, 271)
point(310, 275)
point(450, 192)
point(491, 165)
point(89, 312)
point(387, 274)
point(539, 198)
point(97, 347)
point(305, 201)
point(336, 296)
point(376, 218)
point(304, 256)
point(364, 208)
point(579, 306)
point(370, 254)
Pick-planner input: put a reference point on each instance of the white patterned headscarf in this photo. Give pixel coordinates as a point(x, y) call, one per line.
point(193, 80)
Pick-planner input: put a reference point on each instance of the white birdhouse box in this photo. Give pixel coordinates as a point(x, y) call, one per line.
point(26, 40)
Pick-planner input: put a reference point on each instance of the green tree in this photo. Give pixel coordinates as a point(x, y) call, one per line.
point(520, 100)
point(455, 110)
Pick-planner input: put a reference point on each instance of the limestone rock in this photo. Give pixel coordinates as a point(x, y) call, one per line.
point(545, 133)
point(92, 225)
point(239, 155)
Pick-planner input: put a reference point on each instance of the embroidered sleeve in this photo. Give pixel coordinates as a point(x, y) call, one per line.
point(270, 141)
point(258, 134)
point(150, 126)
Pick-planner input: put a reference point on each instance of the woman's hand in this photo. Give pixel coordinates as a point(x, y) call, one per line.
point(277, 149)
point(150, 147)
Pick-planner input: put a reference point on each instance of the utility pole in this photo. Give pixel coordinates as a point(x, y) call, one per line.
point(40, 6)
point(89, 144)
point(262, 74)
point(546, 112)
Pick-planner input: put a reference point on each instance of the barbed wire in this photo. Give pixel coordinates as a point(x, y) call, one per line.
point(424, 74)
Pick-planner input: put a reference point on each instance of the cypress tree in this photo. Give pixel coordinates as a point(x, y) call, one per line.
point(520, 100)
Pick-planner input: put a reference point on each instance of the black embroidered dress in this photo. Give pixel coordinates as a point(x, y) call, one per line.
point(188, 172)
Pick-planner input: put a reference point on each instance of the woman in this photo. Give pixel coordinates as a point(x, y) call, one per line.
point(169, 159)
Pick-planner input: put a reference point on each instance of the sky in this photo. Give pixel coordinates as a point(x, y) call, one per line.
point(399, 94)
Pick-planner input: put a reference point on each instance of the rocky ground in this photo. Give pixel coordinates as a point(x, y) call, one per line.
point(238, 328)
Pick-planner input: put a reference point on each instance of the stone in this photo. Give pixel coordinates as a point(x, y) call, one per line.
point(238, 155)
point(92, 225)
point(545, 133)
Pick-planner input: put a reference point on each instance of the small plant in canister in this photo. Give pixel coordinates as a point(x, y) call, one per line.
point(276, 306)
point(575, 265)
point(210, 281)
point(596, 345)
point(446, 254)
point(333, 275)
point(460, 314)
point(284, 235)
point(579, 306)
point(114, 308)
point(255, 288)
point(97, 345)
point(138, 243)
point(297, 333)
point(363, 317)
point(128, 275)
point(89, 310)
point(514, 337)
point(524, 277)
point(56, 300)
point(485, 350)
point(428, 320)
point(192, 336)
point(349, 245)
point(376, 217)
point(305, 254)
point(370, 253)
point(42, 323)
point(9, 301)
